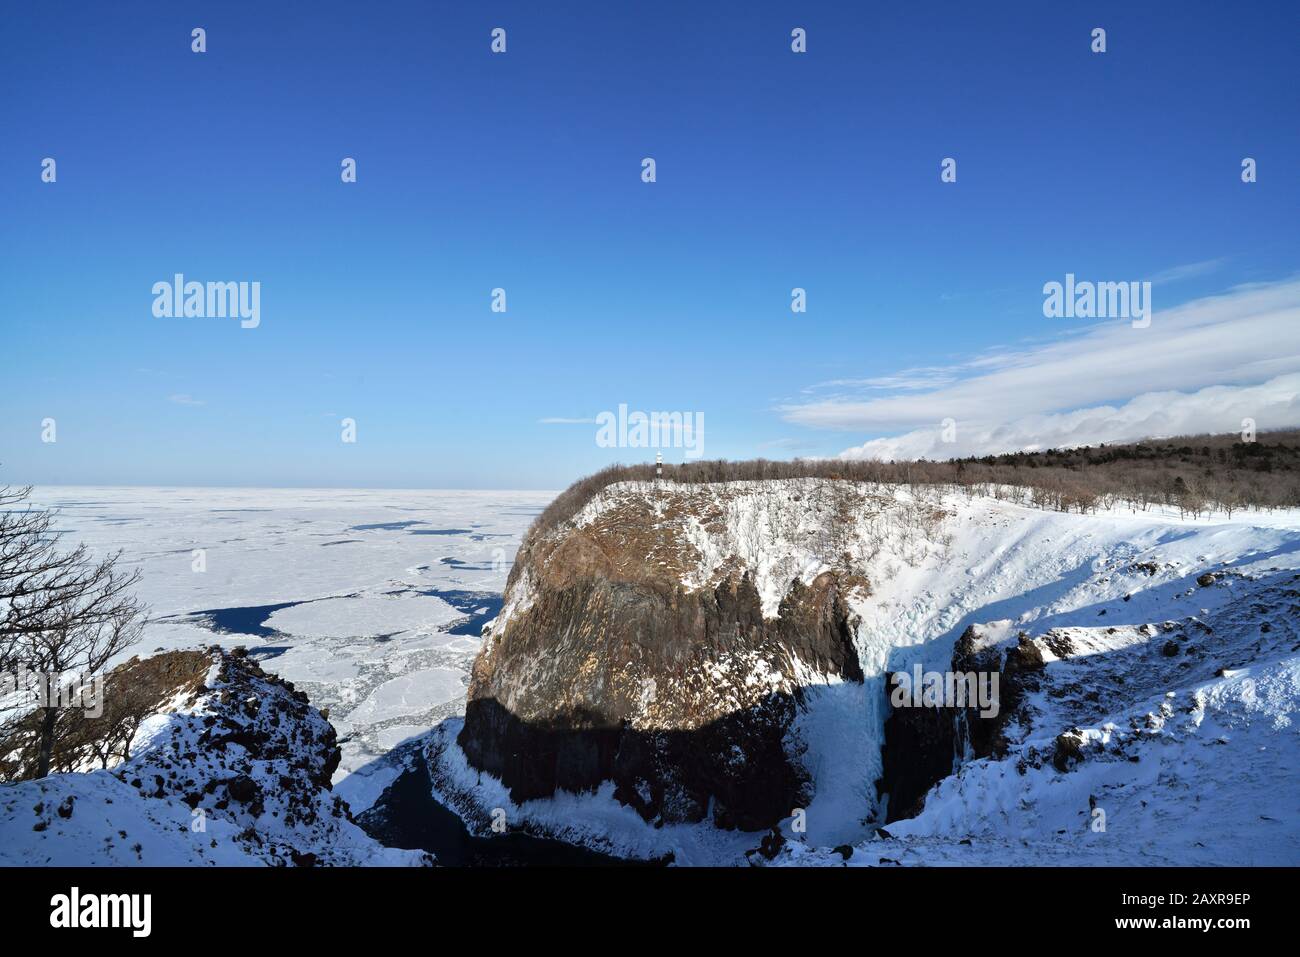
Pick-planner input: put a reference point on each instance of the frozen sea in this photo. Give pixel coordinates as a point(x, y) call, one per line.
point(370, 601)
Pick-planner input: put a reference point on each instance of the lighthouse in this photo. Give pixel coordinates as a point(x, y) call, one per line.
point(659, 466)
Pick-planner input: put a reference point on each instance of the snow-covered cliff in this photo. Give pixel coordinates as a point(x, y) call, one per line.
point(1101, 596)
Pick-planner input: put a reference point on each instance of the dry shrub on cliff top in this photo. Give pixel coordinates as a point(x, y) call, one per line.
point(131, 692)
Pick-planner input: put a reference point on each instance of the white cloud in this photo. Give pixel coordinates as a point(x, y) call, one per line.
point(558, 420)
point(1186, 271)
point(908, 379)
point(184, 398)
point(1216, 409)
point(1079, 383)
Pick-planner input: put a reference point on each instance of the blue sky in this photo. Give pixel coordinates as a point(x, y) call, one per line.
point(522, 171)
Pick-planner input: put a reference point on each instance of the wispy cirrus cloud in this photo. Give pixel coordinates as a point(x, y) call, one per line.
point(1042, 394)
point(1186, 271)
point(922, 378)
point(560, 420)
point(184, 398)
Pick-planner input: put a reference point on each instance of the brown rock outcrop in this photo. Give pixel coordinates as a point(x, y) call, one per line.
point(606, 667)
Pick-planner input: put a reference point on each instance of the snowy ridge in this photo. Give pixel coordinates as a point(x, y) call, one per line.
point(235, 774)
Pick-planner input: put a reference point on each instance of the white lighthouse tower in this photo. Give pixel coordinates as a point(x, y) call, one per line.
point(659, 466)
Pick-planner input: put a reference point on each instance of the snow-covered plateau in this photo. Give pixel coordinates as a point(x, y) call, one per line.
point(1158, 725)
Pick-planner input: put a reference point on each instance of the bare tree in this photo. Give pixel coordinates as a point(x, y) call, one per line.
point(61, 611)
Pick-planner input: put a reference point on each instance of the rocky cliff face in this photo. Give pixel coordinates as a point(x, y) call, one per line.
point(639, 645)
point(923, 745)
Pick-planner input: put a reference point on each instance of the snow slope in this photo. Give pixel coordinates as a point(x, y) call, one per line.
point(1188, 749)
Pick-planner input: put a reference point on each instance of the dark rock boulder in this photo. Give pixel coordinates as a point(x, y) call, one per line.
point(1068, 750)
point(243, 789)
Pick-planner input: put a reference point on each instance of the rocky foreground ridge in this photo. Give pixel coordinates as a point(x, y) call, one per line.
point(230, 765)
